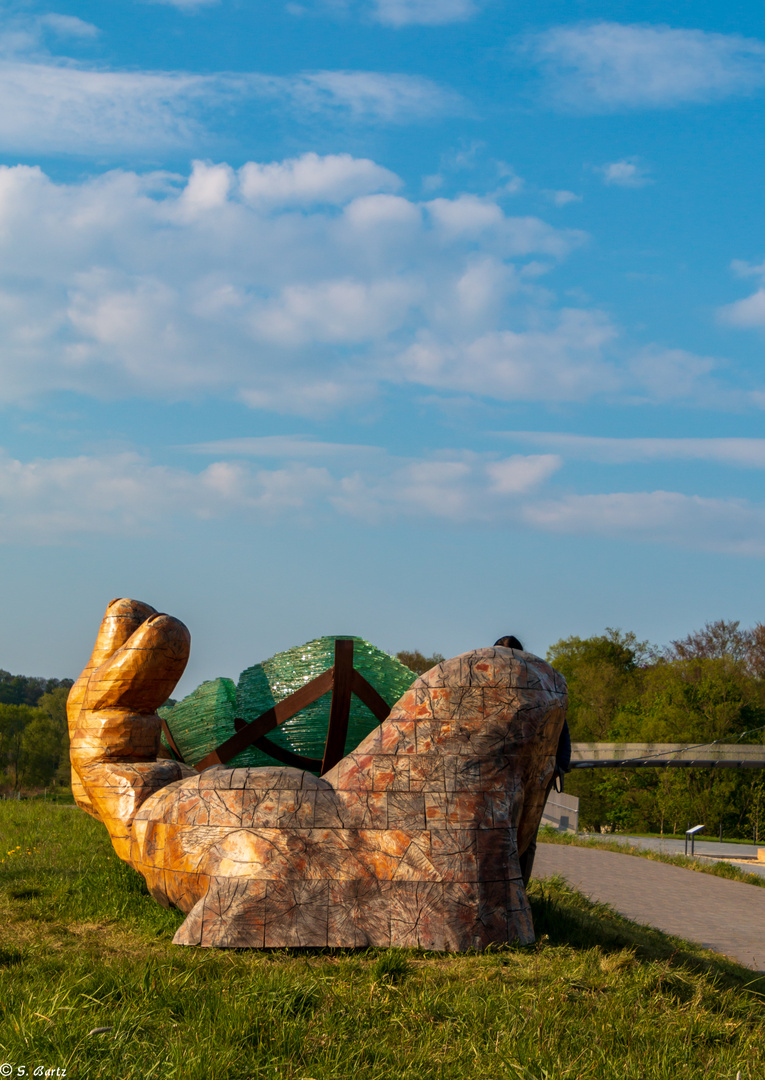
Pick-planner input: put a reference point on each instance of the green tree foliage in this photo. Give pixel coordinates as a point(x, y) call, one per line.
point(603, 675)
point(705, 687)
point(415, 661)
point(25, 689)
point(34, 739)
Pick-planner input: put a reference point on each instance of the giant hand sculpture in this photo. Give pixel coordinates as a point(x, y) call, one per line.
point(412, 839)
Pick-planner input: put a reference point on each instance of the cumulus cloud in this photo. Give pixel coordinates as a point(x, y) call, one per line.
point(423, 12)
point(748, 313)
point(625, 173)
point(296, 286)
point(333, 178)
point(300, 286)
point(561, 360)
point(608, 66)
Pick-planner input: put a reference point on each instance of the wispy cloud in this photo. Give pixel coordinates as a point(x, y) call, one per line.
point(281, 446)
point(729, 526)
point(55, 500)
point(59, 104)
point(608, 66)
point(363, 95)
point(423, 12)
point(67, 109)
point(745, 453)
point(184, 5)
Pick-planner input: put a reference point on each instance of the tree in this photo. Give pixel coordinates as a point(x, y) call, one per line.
point(416, 662)
point(602, 673)
point(13, 720)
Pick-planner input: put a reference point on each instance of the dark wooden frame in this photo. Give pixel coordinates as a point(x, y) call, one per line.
point(342, 679)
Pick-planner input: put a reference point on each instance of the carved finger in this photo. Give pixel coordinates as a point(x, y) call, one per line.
point(141, 674)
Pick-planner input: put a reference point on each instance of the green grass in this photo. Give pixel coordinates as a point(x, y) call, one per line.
point(82, 947)
point(723, 869)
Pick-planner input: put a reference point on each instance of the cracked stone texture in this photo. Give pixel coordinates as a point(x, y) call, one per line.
point(412, 840)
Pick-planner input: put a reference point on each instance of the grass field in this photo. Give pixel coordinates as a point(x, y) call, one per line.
point(83, 947)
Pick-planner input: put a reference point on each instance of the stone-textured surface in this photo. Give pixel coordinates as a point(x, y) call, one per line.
point(411, 840)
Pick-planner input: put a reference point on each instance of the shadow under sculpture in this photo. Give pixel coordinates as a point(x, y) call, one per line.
point(413, 839)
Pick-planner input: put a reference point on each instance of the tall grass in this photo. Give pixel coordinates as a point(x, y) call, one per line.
point(90, 983)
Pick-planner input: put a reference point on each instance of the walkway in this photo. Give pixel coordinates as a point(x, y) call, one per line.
point(744, 856)
point(727, 916)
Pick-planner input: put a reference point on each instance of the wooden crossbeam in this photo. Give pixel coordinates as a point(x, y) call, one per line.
point(340, 708)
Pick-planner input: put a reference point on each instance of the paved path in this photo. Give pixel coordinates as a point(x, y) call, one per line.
point(727, 916)
point(744, 856)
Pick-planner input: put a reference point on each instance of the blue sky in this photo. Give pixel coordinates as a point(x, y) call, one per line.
point(422, 320)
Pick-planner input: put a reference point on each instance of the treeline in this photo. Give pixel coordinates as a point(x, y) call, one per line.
point(34, 740)
point(708, 686)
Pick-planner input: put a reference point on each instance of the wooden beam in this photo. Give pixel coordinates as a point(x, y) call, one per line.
point(363, 690)
point(171, 741)
point(267, 721)
point(287, 757)
point(340, 709)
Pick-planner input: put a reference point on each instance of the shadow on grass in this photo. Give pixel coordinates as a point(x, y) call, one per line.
point(564, 916)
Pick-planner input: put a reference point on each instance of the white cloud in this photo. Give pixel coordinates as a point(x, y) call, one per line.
point(560, 361)
point(53, 500)
point(423, 12)
point(57, 104)
point(730, 526)
point(184, 5)
point(741, 452)
point(625, 173)
point(678, 375)
point(337, 311)
point(282, 446)
point(71, 109)
point(68, 26)
point(334, 178)
point(563, 198)
point(364, 95)
point(170, 288)
point(748, 313)
point(149, 285)
point(607, 66)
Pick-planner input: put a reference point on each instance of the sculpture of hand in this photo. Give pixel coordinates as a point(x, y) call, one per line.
point(412, 839)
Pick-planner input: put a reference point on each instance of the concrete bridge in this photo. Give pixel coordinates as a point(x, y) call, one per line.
point(601, 755)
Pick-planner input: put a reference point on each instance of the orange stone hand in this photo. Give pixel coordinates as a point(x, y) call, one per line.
point(114, 729)
point(412, 839)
